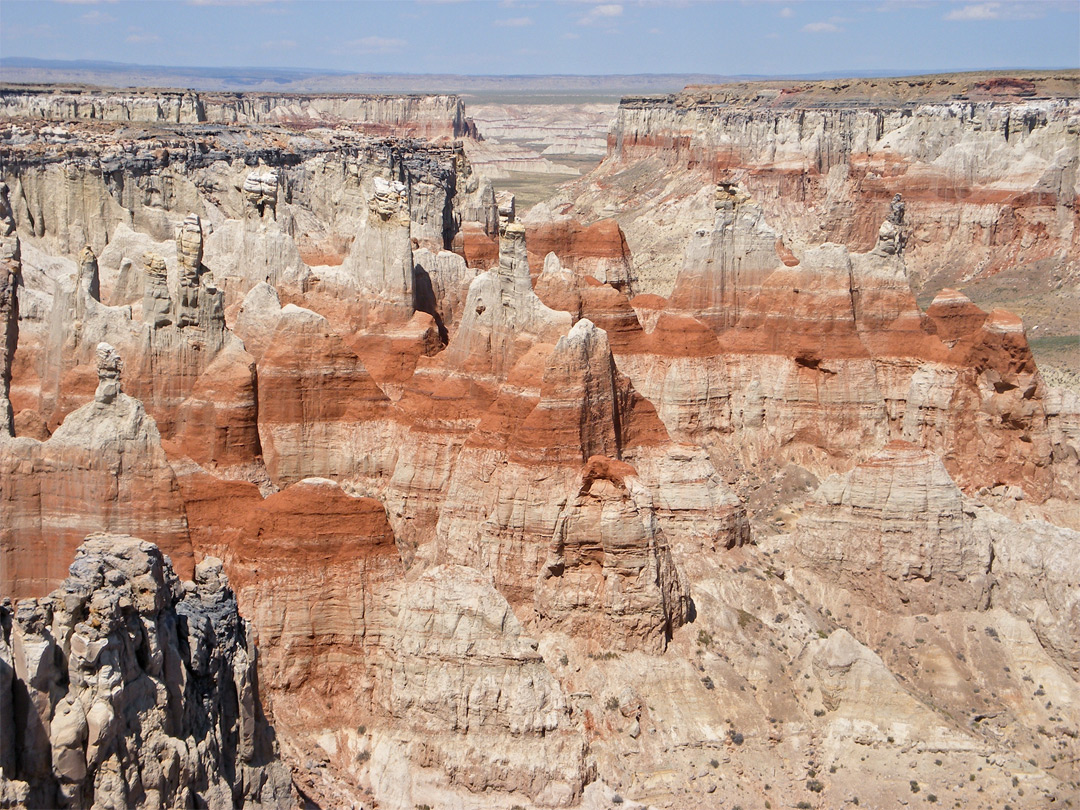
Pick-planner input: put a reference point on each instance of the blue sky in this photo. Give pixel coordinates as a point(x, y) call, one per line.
point(521, 37)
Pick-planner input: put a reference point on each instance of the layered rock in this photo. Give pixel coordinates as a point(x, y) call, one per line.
point(134, 689)
point(503, 317)
point(320, 412)
point(828, 351)
point(898, 531)
point(1035, 574)
point(103, 469)
point(223, 247)
point(274, 201)
point(441, 287)
point(168, 353)
point(984, 411)
point(598, 250)
point(309, 647)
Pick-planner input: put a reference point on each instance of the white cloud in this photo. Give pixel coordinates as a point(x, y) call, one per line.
point(230, 2)
point(514, 22)
point(655, 31)
point(902, 5)
point(996, 11)
point(571, 35)
point(821, 28)
point(377, 45)
point(97, 17)
point(786, 12)
point(602, 13)
point(279, 44)
point(142, 39)
point(979, 11)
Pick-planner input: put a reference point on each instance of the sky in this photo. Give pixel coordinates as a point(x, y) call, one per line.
point(515, 37)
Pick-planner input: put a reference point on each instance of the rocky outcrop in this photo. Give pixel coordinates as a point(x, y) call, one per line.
point(1035, 574)
point(320, 412)
point(897, 530)
point(277, 547)
point(132, 688)
point(503, 318)
point(229, 228)
point(830, 351)
point(984, 410)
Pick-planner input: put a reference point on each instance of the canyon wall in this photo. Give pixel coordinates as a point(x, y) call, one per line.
point(987, 169)
point(424, 116)
point(509, 529)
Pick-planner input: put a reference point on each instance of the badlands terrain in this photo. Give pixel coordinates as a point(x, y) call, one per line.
point(332, 474)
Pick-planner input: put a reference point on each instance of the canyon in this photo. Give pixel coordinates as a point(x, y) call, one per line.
point(329, 478)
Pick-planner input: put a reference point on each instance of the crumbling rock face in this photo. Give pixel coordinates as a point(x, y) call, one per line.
point(134, 689)
point(598, 250)
point(1035, 577)
point(910, 539)
point(610, 573)
point(157, 308)
point(897, 530)
point(984, 411)
point(189, 252)
point(502, 314)
point(10, 267)
point(320, 412)
point(469, 689)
